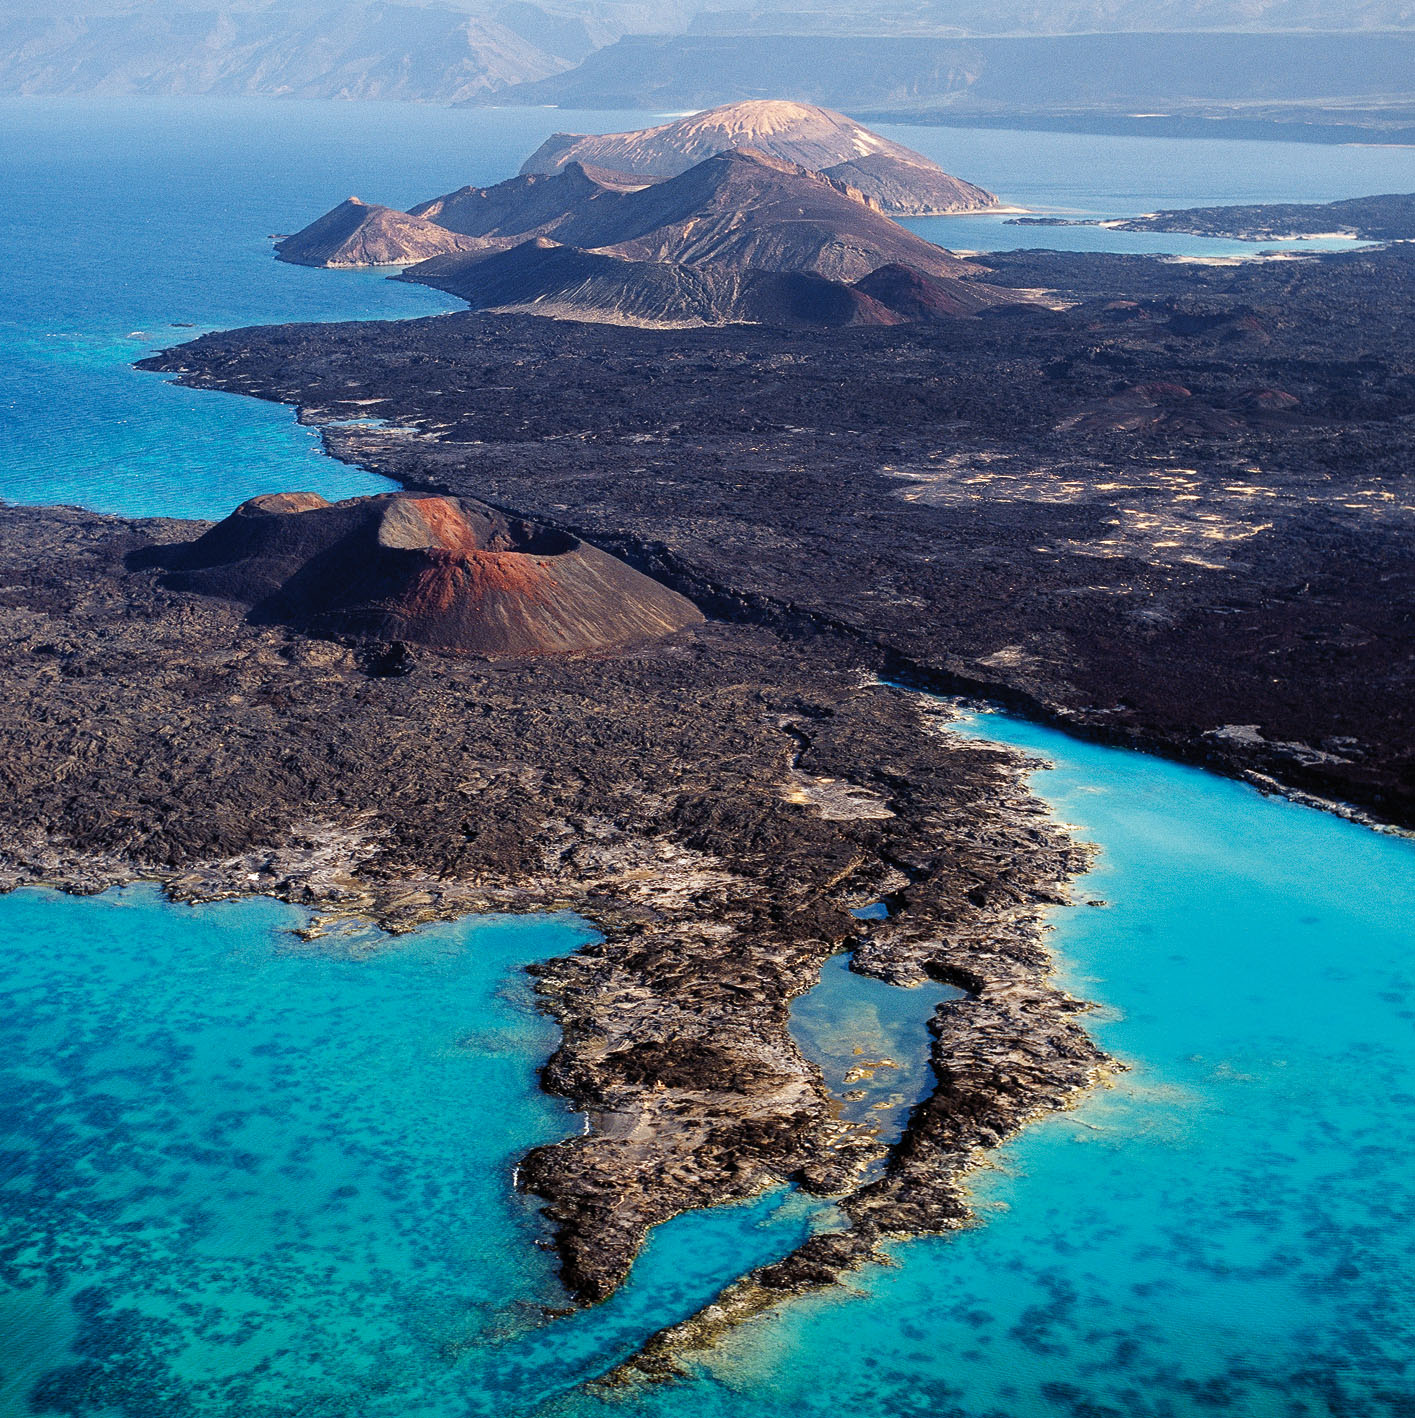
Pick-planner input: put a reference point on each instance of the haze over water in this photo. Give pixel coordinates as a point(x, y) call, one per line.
point(240, 1175)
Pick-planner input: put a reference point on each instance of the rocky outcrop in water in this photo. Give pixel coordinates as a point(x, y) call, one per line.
point(1386, 218)
point(423, 570)
point(892, 177)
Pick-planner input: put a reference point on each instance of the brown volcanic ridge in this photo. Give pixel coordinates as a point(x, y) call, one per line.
point(739, 236)
point(438, 571)
point(894, 178)
point(740, 209)
point(357, 234)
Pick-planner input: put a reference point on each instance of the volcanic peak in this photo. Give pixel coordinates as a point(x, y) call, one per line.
point(890, 176)
point(444, 572)
point(356, 233)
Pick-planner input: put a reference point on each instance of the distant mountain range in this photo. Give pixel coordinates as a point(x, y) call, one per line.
point(1122, 73)
point(738, 236)
point(1045, 17)
point(476, 49)
point(292, 50)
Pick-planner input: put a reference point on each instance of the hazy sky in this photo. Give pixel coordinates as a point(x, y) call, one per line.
point(982, 16)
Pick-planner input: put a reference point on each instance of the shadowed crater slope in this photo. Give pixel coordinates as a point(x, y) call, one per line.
point(438, 571)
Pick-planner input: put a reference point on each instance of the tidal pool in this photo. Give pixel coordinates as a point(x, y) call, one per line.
point(871, 1042)
point(1230, 1227)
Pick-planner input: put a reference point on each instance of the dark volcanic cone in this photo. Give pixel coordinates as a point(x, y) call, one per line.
point(527, 205)
point(437, 571)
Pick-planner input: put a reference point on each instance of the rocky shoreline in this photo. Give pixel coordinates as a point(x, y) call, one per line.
point(717, 803)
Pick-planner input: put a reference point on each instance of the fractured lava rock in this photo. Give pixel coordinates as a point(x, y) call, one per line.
point(438, 571)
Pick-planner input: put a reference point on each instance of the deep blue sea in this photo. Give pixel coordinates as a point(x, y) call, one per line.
point(242, 1176)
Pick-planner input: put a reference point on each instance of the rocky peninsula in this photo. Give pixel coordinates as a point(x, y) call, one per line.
point(717, 798)
point(1386, 218)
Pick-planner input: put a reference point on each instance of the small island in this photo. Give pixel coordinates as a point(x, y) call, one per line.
point(745, 214)
point(1387, 218)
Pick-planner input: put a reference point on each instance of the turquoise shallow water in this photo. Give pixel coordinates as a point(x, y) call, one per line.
point(871, 1043)
point(239, 1175)
point(244, 1175)
point(1230, 1229)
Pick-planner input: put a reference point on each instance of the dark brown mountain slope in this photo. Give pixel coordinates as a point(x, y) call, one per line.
point(687, 250)
point(541, 277)
point(566, 282)
point(357, 234)
point(530, 205)
point(738, 238)
point(742, 207)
